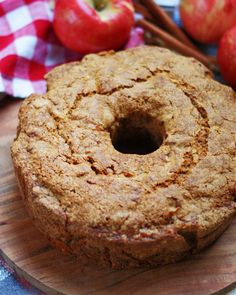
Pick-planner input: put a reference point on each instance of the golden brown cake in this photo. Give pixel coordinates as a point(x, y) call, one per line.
point(129, 158)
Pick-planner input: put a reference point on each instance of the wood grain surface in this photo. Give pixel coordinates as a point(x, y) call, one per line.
point(28, 252)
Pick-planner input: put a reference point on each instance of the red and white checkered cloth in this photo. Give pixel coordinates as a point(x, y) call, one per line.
point(29, 47)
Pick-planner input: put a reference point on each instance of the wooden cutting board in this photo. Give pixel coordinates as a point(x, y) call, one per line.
point(28, 252)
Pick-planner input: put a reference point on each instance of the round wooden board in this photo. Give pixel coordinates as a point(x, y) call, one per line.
point(28, 252)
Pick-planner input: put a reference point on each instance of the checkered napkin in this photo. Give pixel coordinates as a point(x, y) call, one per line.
point(29, 47)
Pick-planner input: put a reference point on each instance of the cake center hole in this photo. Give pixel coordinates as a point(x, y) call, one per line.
point(137, 134)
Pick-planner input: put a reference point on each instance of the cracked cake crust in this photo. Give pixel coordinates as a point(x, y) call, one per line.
point(129, 209)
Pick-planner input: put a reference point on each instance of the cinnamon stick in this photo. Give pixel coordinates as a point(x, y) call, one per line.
point(169, 24)
point(175, 44)
point(143, 11)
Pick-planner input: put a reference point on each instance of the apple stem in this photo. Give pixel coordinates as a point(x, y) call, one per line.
point(99, 4)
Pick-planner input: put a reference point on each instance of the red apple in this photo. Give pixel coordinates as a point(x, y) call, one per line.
point(90, 26)
point(227, 56)
point(207, 20)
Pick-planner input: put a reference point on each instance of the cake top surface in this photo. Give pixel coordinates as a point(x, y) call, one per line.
point(131, 144)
